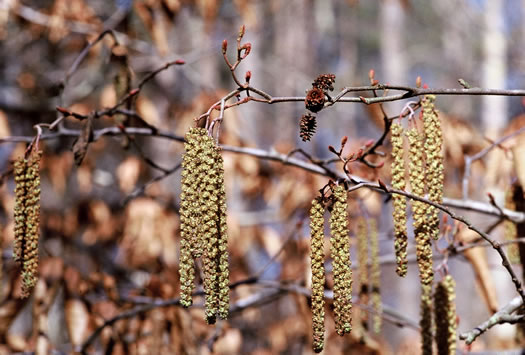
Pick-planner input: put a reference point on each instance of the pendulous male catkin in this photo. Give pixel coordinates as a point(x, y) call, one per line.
point(340, 250)
point(421, 230)
point(399, 201)
point(375, 275)
point(318, 276)
point(203, 224)
point(434, 161)
point(27, 218)
point(426, 319)
point(445, 314)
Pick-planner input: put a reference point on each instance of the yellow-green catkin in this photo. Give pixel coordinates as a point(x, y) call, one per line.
point(27, 218)
point(425, 322)
point(421, 230)
point(445, 314)
point(362, 257)
point(399, 201)
point(318, 276)
point(190, 213)
point(223, 259)
point(434, 161)
point(375, 275)
point(203, 224)
point(340, 250)
point(511, 230)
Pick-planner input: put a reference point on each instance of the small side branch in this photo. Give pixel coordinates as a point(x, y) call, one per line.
point(505, 315)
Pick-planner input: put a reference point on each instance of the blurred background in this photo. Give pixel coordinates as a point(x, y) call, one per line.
point(110, 236)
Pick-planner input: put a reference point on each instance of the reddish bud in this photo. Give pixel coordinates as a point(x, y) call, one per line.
point(332, 149)
point(425, 86)
point(224, 46)
point(134, 92)
point(241, 31)
point(491, 198)
point(375, 82)
point(363, 99)
point(371, 74)
point(63, 110)
point(359, 153)
point(418, 81)
point(343, 141)
point(248, 76)
point(445, 219)
point(247, 47)
point(369, 143)
point(180, 62)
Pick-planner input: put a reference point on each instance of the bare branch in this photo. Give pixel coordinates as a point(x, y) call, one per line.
point(504, 315)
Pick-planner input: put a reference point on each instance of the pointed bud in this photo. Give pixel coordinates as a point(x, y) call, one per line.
point(134, 92)
point(418, 82)
point(248, 76)
point(224, 46)
point(343, 141)
point(242, 29)
point(332, 149)
point(180, 62)
point(369, 143)
point(375, 82)
point(371, 74)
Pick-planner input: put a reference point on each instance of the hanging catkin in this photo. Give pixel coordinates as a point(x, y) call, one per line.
point(426, 319)
point(318, 276)
point(445, 314)
point(375, 275)
point(434, 161)
point(421, 231)
point(399, 201)
point(203, 224)
point(190, 211)
point(27, 218)
point(340, 250)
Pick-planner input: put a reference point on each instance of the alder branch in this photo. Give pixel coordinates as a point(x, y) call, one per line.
point(470, 205)
point(504, 315)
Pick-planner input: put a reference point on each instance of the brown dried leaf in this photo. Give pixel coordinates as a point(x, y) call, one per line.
point(478, 259)
point(518, 151)
point(77, 320)
point(80, 146)
point(4, 125)
point(128, 173)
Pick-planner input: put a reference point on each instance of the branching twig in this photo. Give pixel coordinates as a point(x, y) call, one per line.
point(504, 315)
point(472, 158)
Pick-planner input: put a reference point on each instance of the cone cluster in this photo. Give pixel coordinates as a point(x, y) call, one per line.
point(203, 224)
point(27, 218)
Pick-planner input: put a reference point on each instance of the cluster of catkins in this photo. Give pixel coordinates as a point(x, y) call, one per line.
point(203, 224)
point(426, 175)
point(27, 218)
point(341, 264)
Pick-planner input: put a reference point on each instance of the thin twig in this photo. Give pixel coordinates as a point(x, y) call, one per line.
point(504, 315)
point(470, 159)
